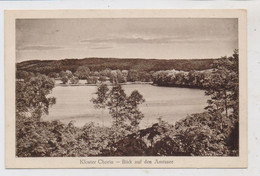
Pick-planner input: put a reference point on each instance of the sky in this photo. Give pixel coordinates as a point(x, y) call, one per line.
point(151, 38)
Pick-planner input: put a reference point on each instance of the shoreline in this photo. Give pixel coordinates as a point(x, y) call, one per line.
point(109, 84)
point(127, 83)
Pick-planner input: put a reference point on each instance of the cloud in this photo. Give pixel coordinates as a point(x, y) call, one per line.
point(127, 40)
point(39, 48)
point(151, 40)
point(101, 47)
point(94, 46)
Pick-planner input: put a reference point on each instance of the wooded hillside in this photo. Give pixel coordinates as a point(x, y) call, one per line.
point(97, 64)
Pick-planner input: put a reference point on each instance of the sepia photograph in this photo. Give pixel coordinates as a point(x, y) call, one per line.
point(100, 87)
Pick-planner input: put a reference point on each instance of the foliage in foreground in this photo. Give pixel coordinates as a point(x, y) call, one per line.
point(32, 96)
point(197, 135)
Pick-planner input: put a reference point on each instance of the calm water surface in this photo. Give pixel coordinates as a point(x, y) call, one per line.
point(170, 104)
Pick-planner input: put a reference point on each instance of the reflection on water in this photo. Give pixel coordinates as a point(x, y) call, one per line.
point(170, 104)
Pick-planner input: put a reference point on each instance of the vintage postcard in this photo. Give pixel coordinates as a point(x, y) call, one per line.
point(126, 88)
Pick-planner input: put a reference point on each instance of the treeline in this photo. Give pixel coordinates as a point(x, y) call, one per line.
point(99, 64)
point(174, 78)
point(171, 78)
point(93, 77)
point(223, 68)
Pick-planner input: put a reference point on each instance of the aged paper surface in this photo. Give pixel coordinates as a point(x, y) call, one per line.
point(36, 34)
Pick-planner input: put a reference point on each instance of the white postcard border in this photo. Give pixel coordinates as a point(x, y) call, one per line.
point(82, 162)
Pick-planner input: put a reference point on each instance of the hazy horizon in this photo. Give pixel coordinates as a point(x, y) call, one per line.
point(116, 58)
point(134, 38)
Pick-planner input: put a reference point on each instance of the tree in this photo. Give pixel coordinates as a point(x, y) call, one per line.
point(69, 74)
point(102, 78)
point(53, 75)
point(113, 76)
point(82, 72)
point(125, 74)
point(144, 76)
point(74, 80)
point(119, 76)
point(64, 77)
point(133, 113)
point(161, 78)
point(62, 73)
point(95, 73)
point(132, 76)
point(123, 109)
point(116, 105)
point(223, 86)
point(101, 100)
point(32, 96)
point(106, 72)
point(201, 135)
point(24, 75)
point(92, 80)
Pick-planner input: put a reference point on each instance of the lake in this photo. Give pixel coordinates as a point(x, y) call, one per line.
point(169, 103)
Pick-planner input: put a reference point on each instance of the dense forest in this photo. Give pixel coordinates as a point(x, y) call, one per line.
point(98, 64)
point(211, 133)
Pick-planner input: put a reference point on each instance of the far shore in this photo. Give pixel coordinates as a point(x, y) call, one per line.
point(126, 83)
point(109, 84)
